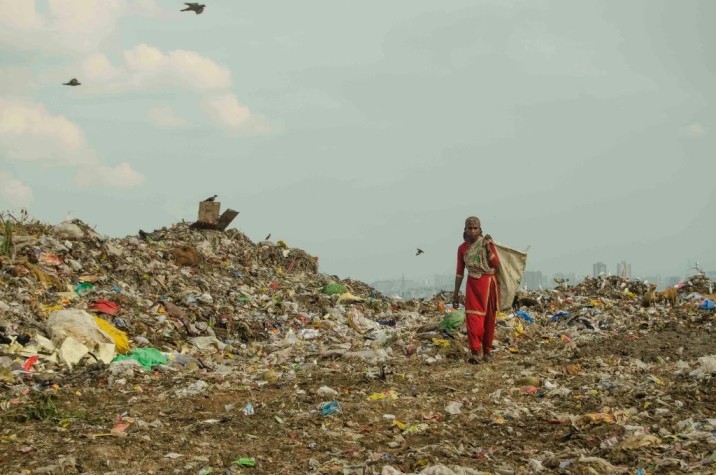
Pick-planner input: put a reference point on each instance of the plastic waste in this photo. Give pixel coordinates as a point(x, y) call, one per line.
point(452, 321)
point(707, 304)
point(360, 323)
point(454, 407)
point(121, 340)
point(244, 462)
point(333, 288)
point(197, 387)
point(348, 297)
point(560, 315)
point(147, 357)
point(524, 316)
point(84, 288)
point(77, 333)
point(330, 408)
point(104, 306)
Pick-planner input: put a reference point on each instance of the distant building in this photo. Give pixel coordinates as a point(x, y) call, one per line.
point(624, 269)
point(598, 269)
point(532, 279)
point(444, 282)
point(414, 288)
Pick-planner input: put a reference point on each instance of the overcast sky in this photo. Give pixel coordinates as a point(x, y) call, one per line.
point(359, 131)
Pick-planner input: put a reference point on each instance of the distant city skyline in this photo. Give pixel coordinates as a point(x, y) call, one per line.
point(407, 286)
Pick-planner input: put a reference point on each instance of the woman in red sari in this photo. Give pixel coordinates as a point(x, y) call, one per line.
point(478, 256)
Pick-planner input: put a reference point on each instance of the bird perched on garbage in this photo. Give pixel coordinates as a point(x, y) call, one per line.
point(210, 199)
point(145, 236)
point(420, 251)
point(72, 82)
point(267, 237)
point(561, 283)
point(194, 7)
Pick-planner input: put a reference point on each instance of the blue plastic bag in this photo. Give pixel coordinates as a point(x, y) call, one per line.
point(330, 408)
point(707, 304)
point(560, 315)
point(525, 316)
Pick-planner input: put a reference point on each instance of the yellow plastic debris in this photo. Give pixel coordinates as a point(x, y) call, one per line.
point(392, 394)
point(48, 309)
point(121, 341)
point(349, 298)
point(441, 343)
point(416, 428)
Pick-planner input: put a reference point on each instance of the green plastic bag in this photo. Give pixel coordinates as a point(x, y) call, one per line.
point(84, 288)
point(245, 462)
point(333, 288)
point(453, 320)
point(147, 357)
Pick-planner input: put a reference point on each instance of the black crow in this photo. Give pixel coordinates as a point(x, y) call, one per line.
point(194, 7)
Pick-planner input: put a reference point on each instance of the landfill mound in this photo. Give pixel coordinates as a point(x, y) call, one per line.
point(204, 352)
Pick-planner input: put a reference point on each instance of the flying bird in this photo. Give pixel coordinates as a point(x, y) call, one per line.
point(72, 82)
point(267, 237)
point(194, 7)
point(210, 199)
point(420, 251)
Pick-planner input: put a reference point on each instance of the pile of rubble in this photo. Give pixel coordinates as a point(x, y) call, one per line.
point(279, 368)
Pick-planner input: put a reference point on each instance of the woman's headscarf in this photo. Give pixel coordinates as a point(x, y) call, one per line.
point(472, 220)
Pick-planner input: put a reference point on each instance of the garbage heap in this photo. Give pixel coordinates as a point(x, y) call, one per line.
point(278, 368)
point(169, 286)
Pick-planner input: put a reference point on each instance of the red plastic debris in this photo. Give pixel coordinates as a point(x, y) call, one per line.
point(104, 306)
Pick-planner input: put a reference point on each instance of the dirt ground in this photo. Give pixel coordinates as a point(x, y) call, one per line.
point(80, 423)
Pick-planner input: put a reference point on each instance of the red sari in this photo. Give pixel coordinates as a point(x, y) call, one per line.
point(482, 295)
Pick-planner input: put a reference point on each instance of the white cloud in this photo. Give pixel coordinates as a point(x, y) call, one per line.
point(15, 192)
point(66, 25)
point(230, 114)
point(20, 15)
point(166, 118)
point(148, 68)
point(28, 132)
point(121, 176)
point(96, 67)
point(694, 130)
point(227, 110)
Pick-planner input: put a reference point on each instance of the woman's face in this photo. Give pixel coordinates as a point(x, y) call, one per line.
point(473, 230)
